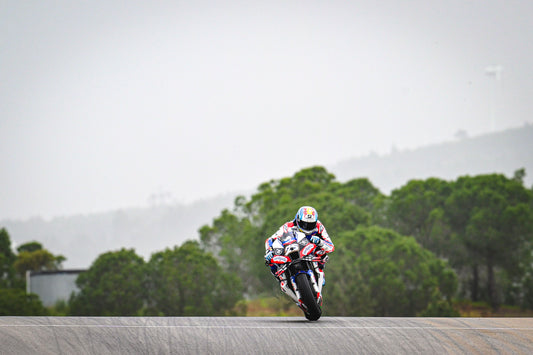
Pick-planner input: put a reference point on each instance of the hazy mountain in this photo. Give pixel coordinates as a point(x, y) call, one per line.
point(501, 152)
point(82, 238)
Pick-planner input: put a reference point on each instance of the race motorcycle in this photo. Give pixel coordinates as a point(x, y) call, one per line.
point(297, 259)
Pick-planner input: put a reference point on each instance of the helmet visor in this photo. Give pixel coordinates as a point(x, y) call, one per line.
point(307, 226)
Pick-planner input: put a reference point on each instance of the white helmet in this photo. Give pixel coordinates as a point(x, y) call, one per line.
point(306, 219)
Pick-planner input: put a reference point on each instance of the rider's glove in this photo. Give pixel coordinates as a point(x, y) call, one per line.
point(269, 256)
point(316, 240)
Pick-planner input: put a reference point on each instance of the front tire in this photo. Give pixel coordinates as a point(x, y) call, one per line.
point(308, 297)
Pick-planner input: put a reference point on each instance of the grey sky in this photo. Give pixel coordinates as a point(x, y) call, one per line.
point(103, 104)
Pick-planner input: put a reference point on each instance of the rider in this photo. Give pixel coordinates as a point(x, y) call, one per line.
point(305, 221)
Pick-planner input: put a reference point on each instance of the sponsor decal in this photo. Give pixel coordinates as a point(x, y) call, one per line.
point(308, 212)
point(308, 249)
point(280, 259)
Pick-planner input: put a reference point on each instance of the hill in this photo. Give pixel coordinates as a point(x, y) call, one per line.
point(81, 238)
point(499, 152)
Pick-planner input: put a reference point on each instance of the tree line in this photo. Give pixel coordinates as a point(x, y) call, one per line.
point(182, 281)
point(13, 267)
point(410, 253)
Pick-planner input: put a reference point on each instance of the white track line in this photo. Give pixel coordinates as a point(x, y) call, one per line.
point(251, 327)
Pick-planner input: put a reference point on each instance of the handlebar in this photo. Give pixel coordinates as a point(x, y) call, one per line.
point(305, 258)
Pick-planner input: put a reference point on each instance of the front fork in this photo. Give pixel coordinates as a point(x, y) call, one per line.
point(295, 295)
point(285, 288)
point(317, 285)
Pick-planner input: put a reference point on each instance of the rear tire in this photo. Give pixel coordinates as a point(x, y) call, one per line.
point(308, 297)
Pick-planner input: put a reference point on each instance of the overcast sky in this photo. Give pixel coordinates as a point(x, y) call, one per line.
point(104, 104)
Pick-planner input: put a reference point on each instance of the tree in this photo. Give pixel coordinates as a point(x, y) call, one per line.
point(7, 258)
point(416, 209)
point(393, 275)
point(491, 217)
point(112, 286)
point(15, 302)
point(187, 281)
point(37, 260)
point(361, 193)
point(231, 240)
point(30, 247)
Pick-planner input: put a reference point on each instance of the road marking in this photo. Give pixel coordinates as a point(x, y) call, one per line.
point(253, 327)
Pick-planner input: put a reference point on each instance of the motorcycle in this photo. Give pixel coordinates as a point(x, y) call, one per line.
point(297, 260)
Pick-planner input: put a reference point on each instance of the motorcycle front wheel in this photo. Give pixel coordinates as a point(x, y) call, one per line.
point(308, 297)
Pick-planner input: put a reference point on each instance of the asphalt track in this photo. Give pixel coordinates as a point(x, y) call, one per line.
point(264, 335)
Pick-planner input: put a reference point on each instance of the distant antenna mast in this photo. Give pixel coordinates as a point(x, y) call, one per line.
point(494, 71)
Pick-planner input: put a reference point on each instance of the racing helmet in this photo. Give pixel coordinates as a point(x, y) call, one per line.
point(306, 219)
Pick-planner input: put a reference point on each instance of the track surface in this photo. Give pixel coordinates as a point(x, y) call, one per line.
point(234, 335)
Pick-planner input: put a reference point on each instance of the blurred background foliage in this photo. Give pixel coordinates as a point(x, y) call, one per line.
point(431, 248)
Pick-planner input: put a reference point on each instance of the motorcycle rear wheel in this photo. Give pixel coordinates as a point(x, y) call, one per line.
point(308, 297)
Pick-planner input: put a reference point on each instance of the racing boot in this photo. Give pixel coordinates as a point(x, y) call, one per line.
point(322, 267)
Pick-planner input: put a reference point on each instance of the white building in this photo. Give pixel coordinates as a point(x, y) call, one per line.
point(52, 286)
